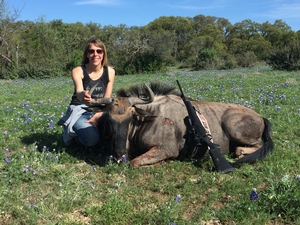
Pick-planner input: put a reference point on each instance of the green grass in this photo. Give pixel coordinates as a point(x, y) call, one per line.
point(44, 182)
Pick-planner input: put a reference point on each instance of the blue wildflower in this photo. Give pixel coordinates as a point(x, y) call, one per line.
point(177, 198)
point(8, 160)
point(254, 194)
point(297, 177)
point(124, 158)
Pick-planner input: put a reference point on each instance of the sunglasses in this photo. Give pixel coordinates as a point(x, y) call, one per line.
point(99, 51)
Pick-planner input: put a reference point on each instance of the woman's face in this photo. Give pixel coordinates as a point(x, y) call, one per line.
point(95, 55)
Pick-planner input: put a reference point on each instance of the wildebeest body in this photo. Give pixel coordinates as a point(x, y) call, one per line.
point(156, 131)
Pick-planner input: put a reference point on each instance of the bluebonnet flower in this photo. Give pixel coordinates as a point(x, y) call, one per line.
point(254, 194)
point(44, 148)
point(278, 109)
point(299, 111)
point(56, 158)
point(51, 125)
point(124, 158)
point(111, 158)
point(177, 198)
point(48, 155)
point(6, 151)
point(8, 160)
point(297, 177)
point(7, 109)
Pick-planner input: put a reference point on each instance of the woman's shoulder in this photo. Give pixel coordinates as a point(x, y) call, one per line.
point(110, 69)
point(77, 69)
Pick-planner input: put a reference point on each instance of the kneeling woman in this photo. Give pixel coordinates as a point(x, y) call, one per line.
point(80, 125)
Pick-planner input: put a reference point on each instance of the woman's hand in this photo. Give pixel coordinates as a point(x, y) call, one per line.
point(87, 98)
point(94, 119)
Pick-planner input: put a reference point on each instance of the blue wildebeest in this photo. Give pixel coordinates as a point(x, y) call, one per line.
point(147, 125)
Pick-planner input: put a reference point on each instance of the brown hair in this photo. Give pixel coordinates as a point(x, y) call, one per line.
point(98, 43)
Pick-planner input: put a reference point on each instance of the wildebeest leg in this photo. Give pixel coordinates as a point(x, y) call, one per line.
point(245, 129)
point(154, 155)
point(241, 151)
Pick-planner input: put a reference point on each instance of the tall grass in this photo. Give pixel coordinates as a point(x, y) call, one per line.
point(44, 182)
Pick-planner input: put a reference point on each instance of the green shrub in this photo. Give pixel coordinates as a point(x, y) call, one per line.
point(247, 59)
point(286, 58)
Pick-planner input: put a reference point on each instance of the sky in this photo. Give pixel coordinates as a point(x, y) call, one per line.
point(142, 12)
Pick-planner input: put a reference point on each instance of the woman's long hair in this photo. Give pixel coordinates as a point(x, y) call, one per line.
point(98, 43)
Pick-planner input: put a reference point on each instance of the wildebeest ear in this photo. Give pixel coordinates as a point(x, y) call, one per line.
point(140, 112)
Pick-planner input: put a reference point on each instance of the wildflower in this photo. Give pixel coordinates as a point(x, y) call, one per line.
point(51, 125)
point(297, 177)
point(56, 158)
point(111, 158)
point(94, 169)
point(177, 198)
point(278, 109)
point(299, 111)
point(25, 169)
point(6, 151)
point(7, 109)
point(42, 169)
point(34, 172)
point(254, 194)
point(26, 116)
point(5, 132)
point(44, 148)
point(48, 155)
point(8, 160)
point(124, 158)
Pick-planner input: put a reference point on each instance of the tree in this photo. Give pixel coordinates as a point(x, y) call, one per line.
point(8, 49)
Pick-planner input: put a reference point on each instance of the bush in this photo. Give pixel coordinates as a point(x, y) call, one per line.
point(286, 58)
point(247, 59)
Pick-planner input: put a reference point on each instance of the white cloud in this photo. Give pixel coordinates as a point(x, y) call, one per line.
point(98, 2)
point(285, 11)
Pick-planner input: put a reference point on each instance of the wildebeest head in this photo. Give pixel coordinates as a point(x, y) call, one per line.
point(121, 109)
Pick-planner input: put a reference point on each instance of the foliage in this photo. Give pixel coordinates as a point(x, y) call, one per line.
point(166, 41)
point(286, 58)
point(45, 182)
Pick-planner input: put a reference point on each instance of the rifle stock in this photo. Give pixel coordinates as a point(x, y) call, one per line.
point(220, 162)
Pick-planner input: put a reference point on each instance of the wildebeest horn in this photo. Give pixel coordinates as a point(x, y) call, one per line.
point(92, 89)
point(98, 101)
point(141, 100)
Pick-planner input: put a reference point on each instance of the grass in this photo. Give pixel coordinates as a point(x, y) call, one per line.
point(44, 182)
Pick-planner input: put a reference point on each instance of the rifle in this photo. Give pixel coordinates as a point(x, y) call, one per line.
point(200, 135)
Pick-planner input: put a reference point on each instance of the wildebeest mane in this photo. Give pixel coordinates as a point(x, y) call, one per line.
point(139, 90)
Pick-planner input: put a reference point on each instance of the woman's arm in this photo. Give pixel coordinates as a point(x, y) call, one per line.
point(110, 84)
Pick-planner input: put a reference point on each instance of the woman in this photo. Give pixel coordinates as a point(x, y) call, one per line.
point(78, 123)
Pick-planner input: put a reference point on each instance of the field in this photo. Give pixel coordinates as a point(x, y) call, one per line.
point(44, 182)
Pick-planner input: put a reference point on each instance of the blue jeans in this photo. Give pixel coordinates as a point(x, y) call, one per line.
point(89, 135)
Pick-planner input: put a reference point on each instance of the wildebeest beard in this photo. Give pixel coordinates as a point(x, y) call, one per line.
point(119, 136)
